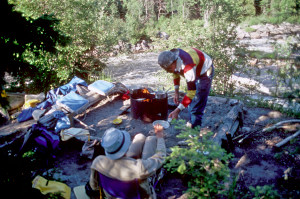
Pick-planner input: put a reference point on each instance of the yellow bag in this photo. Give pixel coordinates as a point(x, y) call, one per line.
point(49, 186)
point(3, 94)
point(31, 103)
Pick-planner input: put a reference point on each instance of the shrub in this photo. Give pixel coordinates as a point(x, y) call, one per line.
point(203, 163)
point(265, 191)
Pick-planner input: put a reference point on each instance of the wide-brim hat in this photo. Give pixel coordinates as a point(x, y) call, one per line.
point(115, 143)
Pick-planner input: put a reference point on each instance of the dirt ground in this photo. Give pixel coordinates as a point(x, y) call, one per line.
point(255, 162)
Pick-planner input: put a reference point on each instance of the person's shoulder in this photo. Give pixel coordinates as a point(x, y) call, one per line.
point(100, 158)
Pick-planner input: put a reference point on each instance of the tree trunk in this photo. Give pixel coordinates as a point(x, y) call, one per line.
point(257, 5)
point(207, 13)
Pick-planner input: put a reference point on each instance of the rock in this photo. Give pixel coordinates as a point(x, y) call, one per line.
point(247, 35)
point(217, 100)
point(162, 35)
point(240, 35)
point(245, 110)
point(275, 32)
point(263, 29)
point(283, 30)
point(182, 143)
point(145, 44)
point(138, 47)
point(295, 29)
point(16, 100)
point(169, 151)
point(253, 62)
point(264, 34)
point(245, 129)
point(233, 102)
point(3, 117)
point(254, 35)
point(278, 37)
point(256, 26)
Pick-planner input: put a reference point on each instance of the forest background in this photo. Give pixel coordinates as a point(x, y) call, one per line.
point(45, 43)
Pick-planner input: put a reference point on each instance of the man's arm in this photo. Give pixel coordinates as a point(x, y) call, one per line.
point(187, 99)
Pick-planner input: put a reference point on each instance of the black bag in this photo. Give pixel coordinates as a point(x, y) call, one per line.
point(90, 192)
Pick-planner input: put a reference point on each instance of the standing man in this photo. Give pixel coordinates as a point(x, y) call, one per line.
point(198, 70)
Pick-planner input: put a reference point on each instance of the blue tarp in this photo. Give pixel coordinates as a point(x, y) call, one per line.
point(72, 102)
point(52, 97)
point(62, 90)
point(26, 114)
point(63, 121)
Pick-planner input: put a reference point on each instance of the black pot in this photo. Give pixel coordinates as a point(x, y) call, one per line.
point(147, 107)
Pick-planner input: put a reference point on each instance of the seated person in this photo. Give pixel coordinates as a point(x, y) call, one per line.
point(126, 161)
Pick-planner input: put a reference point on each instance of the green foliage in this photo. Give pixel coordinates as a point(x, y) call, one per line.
point(279, 8)
point(215, 35)
point(20, 35)
point(287, 75)
point(29, 154)
point(86, 16)
point(203, 163)
point(278, 155)
point(232, 192)
point(54, 196)
point(218, 39)
point(94, 27)
point(261, 55)
point(275, 12)
point(134, 20)
point(249, 29)
point(265, 191)
point(248, 8)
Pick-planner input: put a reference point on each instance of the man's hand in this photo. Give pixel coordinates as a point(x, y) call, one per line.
point(174, 114)
point(176, 97)
point(158, 129)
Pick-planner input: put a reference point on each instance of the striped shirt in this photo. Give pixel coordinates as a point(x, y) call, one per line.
point(191, 63)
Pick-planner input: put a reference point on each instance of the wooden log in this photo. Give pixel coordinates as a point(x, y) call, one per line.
point(279, 144)
point(229, 141)
point(279, 124)
point(234, 128)
point(230, 124)
point(125, 108)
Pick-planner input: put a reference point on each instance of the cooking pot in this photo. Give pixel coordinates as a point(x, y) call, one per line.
point(161, 95)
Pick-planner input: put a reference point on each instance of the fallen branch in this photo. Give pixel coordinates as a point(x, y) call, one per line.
point(279, 124)
point(246, 136)
point(279, 144)
point(83, 124)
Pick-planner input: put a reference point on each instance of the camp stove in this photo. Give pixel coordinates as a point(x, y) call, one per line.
point(149, 106)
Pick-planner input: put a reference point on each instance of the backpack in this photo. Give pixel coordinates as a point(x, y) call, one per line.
point(44, 142)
